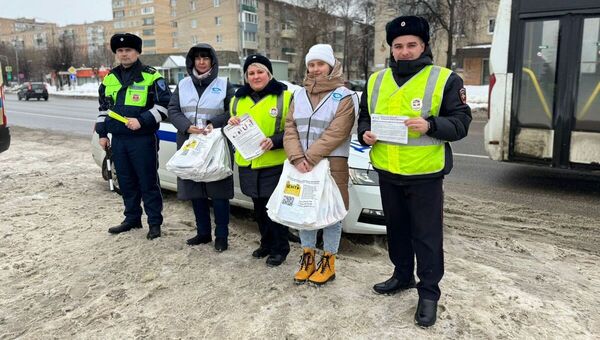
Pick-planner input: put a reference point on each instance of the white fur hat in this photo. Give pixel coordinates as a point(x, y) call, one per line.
point(321, 52)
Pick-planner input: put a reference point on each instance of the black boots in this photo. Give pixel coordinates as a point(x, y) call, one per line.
point(275, 260)
point(426, 313)
point(260, 252)
point(199, 239)
point(154, 232)
point(123, 227)
point(220, 244)
point(393, 286)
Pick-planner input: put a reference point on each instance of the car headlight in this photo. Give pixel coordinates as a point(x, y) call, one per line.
point(364, 177)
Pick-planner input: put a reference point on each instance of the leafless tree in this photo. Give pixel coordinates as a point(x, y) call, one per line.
point(456, 18)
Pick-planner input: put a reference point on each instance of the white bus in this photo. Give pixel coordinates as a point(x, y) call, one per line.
point(544, 103)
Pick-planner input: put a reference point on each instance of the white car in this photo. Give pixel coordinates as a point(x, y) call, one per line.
point(364, 217)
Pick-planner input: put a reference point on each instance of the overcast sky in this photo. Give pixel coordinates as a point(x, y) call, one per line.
point(61, 12)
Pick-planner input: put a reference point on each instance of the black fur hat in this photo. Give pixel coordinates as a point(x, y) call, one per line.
point(407, 25)
point(125, 40)
point(257, 58)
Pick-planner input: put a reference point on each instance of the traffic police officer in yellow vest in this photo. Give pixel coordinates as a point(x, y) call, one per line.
point(267, 101)
point(140, 94)
point(411, 175)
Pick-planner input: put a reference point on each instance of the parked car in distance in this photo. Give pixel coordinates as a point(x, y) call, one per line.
point(33, 90)
point(355, 84)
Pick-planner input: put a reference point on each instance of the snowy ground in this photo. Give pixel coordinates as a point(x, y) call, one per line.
point(512, 272)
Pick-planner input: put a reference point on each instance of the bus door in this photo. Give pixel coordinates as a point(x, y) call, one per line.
point(556, 98)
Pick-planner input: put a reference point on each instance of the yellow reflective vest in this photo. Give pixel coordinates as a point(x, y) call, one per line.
point(420, 96)
point(137, 93)
point(269, 114)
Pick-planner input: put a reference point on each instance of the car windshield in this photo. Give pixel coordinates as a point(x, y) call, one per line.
point(37, 86)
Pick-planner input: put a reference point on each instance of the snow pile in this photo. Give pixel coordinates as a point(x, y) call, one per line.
point(477, 96)
point(89, 89)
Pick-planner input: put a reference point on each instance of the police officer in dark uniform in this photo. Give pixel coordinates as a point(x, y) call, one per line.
point(140, 94)
point(433, 102)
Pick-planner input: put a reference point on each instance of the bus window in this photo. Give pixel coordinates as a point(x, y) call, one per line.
point(536, 96)
point(587, 114)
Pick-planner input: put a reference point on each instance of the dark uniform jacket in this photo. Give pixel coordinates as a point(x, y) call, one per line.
point(158, 95)
point(188, 189)
point(452, 124)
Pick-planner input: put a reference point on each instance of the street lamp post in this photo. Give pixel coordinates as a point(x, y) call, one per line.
point(17, 61)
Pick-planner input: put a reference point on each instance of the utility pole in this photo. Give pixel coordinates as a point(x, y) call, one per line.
point(17, 61)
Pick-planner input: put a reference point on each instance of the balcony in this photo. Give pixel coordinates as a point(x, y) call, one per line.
point(288, 33)
point(249, 8)
point(288, 51)
point(251, 45)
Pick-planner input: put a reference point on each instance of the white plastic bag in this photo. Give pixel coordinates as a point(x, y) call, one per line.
point(306, 201)
point(202, 158)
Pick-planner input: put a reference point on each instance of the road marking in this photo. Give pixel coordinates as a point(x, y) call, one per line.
point(468, 155)
point(51, 116)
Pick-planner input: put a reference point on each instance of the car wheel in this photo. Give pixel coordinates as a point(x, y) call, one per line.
point(38, 98)
point(26, 98)
point(46, 98)
point(19, 97)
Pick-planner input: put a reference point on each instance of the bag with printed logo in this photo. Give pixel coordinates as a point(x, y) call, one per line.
point(202, 158)
point(306, 201)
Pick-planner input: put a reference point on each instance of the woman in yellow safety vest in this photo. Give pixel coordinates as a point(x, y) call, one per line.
point(266, 101)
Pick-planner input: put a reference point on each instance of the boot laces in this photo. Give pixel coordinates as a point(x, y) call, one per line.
point(323, 264)
point(305, 261)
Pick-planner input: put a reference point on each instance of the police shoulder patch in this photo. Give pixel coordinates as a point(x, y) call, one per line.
point(149, 69)
point(463, 95)
point(161, 84)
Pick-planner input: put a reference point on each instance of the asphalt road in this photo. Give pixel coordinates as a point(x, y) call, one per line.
point(474, 174)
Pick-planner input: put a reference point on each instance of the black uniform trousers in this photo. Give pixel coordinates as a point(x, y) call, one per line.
point(414, 221)
point(273, 236)
point(136, 163)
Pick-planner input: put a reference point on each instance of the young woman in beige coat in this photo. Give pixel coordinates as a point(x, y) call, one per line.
point(318, 126)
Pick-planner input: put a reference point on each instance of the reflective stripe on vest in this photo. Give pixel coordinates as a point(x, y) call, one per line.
point(420, 96)
point(206, 107)
point(311, 124)
point(137, 93)
point(269, 121)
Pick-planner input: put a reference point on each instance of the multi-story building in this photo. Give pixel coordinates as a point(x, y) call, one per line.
point(26, 33)
point(471, 48)
point(152, 20)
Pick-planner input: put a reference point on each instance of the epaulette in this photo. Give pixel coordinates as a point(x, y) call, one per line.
point(149, 69)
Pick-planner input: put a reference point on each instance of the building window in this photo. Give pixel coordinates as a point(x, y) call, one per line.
point(193, 5)
point(266, 9)
point(194, 23)
point(216, 3)
point(218, 21)
point(194, 40)
point(148, 21)
point(219, 38)
point(250, 17)
point(250, 36)
point(149, 43)
point(251, 3)
point(118, 3)
point(174, 24)
point(173, 3)
point(147, 10)
point(491, 24)
point(132, 13)
point(267, 28)
point(148, 32)
point(267, 43)
point(146, 1)
point(119, 24)
point(118, 14)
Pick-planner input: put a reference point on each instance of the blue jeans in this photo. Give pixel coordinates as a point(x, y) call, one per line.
point(331, 238)
point(202, 213)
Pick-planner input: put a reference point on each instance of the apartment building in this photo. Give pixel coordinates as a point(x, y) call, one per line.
point(471, 48)
point(26, 33)
point(152, 20)
point(91, 41)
